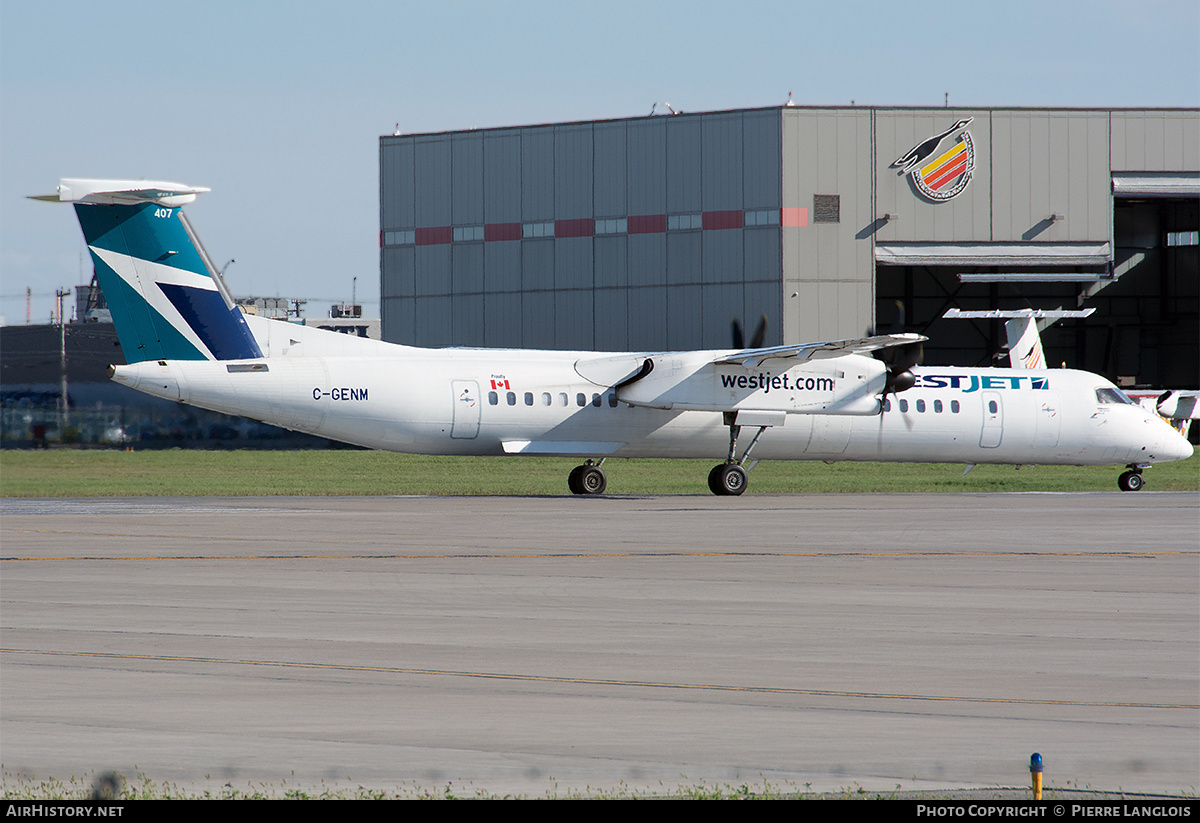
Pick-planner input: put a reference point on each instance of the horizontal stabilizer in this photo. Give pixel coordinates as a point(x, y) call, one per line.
point(122, 192)
point(752, 358)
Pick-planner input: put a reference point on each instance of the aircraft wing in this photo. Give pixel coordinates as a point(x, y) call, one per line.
point(752, 358)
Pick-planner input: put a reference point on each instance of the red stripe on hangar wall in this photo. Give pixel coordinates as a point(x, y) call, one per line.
point(583, 227)
point(712, 220)
point(434, 235)
point(646, 224)
point(794, 216)
point(501, 231)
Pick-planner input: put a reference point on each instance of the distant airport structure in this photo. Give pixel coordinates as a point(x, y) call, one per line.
point(653, 233)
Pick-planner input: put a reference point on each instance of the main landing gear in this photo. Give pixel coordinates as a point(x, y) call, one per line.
point(1131, 480)
point(729, 478)
point(587, 479)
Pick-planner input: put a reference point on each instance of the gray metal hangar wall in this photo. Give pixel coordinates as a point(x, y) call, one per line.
point(652, 233)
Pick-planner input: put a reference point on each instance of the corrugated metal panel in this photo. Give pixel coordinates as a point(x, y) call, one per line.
point(611, 269)
point(683, 257)
point(609, 170)
point(1046, 163)
point(685, 317)
point(648, 318)
point(759, 298)
point(467, 320)
point(683, 165)
point(397, 318)
point(502, 320)
point(612, 319)
point(432, 164)
point(1155, 140)
point(721, 144)
point(502, 266)
point(537, 319)
point(573, 320)
point(647, 259)
point(762, 261)
point(537, 262)
point(467, 268)
point(719, 304)
point(537, 174)
point(432, 321)
point(432, 265)
point(502, 177)
point(572, 172)
point(646, 158)
point(398, 188)
point(573, 263)
point(466, 173)
point(399, 272)
point(761, 168)
point(723, 256)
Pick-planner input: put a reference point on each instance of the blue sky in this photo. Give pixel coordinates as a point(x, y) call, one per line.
point(278, 106)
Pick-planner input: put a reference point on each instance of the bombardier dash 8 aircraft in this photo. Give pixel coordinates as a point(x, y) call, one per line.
point(863, 399)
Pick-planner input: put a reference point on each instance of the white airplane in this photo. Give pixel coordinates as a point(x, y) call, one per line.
point(186, 340)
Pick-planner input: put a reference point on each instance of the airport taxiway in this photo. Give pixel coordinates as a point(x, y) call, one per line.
point(545, 643)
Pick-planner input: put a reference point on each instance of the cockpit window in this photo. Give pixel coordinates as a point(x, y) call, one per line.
point(1113, 396)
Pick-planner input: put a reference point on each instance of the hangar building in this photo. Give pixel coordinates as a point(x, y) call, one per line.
point(652, 233)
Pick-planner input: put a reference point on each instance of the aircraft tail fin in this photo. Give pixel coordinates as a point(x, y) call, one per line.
point(166, 298)
point(1024, 343)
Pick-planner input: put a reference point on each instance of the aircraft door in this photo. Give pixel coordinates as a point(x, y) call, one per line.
point(993, 420)
point(1045, 434)
point(467, 405)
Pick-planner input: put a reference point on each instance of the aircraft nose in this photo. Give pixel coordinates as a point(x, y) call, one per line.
point(1184, 448)
point(1172, 445)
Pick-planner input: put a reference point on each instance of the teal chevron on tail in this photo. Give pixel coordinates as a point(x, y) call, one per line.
point(166, 299)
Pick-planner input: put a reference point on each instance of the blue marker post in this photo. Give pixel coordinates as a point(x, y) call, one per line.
point(1035, 769)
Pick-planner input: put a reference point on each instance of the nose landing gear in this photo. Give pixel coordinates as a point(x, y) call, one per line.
point(1131, 480)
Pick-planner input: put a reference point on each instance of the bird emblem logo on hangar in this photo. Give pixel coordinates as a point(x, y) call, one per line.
point(939, 172)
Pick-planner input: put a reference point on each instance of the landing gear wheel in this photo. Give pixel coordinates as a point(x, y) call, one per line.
point(592, 480)
point(727, 479)
point(714, 479)
point(573, 482)
point(1130, 481)
point(587, 479)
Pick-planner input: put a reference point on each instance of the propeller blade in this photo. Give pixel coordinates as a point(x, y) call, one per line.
point(739, 339)
point(760, 334)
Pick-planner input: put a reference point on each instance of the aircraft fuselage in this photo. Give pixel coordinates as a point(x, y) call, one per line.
point(491, 402)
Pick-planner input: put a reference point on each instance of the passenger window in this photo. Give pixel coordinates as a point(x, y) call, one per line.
point(954, 407)
point(903, 405)
point(528, 398)
point(887, 405)
point(581, 399)
point(545, 398)
point(512, 398)
point(612, 399)
point(493, 398)
point(992, 407)
point(937, 406)
point(921, 406)
point(596, 400)
point(562, 398)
